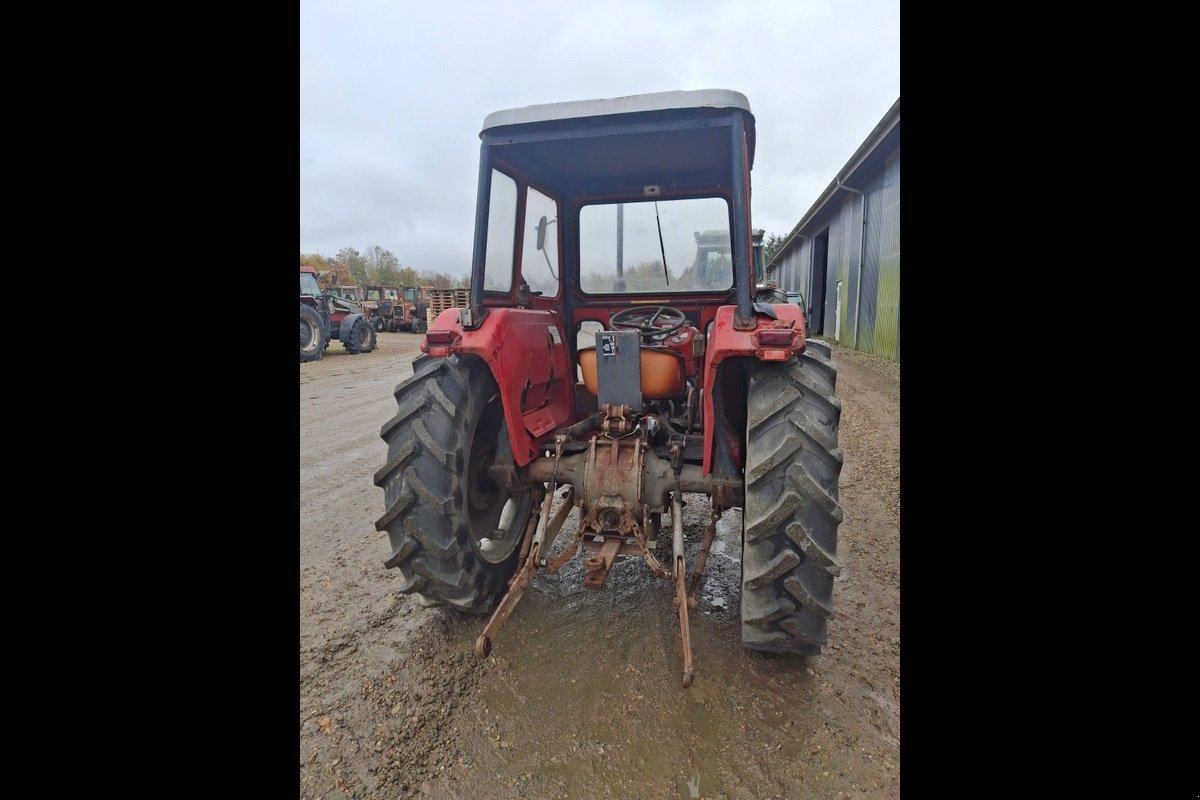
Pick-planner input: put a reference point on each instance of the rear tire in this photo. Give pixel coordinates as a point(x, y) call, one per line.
point(313, 338)
point(819, 347)
point(362, 337)
point(441, 500)
point(791, 512)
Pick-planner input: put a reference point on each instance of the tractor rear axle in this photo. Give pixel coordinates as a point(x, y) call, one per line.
point(623, 487)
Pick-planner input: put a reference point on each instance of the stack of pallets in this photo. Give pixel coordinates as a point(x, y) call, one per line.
point(441, 299)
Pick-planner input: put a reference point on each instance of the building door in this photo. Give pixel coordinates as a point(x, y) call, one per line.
point(837, 313)
point(816, 292)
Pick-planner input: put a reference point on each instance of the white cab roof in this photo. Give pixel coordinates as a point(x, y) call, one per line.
point(657, 101)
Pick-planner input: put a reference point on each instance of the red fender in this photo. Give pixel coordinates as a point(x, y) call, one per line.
point(784, 340)
point(527, 354)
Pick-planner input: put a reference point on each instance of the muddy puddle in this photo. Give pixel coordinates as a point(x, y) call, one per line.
point(584, 697)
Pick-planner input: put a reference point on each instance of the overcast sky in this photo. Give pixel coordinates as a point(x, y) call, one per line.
point(393, 95)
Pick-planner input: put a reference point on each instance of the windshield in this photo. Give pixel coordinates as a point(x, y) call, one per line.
point(622, 246)
point(308, 284)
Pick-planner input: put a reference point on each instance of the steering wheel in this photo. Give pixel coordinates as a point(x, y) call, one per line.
point(652, 322)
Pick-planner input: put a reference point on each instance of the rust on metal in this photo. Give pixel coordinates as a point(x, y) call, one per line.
point(629, 528)
point(652, 562)
point(598, 566)
point(701, 559)
point(559, 518)
point(618, 419)
point(505, 476)
point(649, 526)
point(684, 633)
point(565, 555)
point(680, 590)
point(622, 483)
point(516, 589)
point(483, 645)
point(527, 539)
point(725, 494)
point(656, 476)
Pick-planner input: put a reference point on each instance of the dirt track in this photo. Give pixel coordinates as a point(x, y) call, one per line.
point(581, 697)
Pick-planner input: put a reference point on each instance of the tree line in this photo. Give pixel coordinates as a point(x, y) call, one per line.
point(375, 266)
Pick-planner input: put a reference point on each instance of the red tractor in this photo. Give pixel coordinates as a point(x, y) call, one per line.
point(602, 354)
point(420, 300)
point(389, 311)
point(328, 316)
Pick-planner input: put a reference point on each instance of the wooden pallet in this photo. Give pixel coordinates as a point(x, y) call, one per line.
point(441, 299)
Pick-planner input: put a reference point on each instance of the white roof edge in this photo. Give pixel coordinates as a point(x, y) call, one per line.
point(656, 101)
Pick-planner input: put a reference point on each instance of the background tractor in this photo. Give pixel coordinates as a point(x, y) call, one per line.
point(325, 316)
point(389, 310)
point(614, 349)
point(380, 306)
point(418, 297)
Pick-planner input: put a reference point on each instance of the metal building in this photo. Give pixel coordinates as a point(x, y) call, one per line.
point(844, 254)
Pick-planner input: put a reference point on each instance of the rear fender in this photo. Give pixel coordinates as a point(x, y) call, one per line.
point(527, 354)
point(725, 342)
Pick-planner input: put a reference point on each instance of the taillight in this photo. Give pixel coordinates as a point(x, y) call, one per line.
point(440, 337)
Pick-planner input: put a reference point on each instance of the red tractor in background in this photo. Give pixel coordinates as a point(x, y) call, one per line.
point(380, 305)
point(325, 316)
point(614, 347)
point(389, 312)
point(420, 300)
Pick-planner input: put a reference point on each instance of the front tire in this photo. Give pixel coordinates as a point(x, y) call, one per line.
point(454, 532)
point(313, 338)
point(362, 337)
point(791, 512)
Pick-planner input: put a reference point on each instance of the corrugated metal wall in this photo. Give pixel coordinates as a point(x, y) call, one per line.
point(795, 269)
point(843, 254)
point(865, 335)
point(787, 267)
point(883, 260)
point(870, 318)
